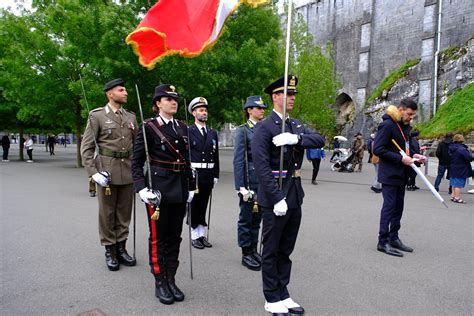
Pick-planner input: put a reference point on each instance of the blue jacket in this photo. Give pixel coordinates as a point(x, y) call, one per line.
point(266, 158)
point(460, 161)
point(315, 153)
point(243, 136)
point(391, 170)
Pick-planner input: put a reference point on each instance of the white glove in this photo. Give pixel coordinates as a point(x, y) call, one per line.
point(101, 178)
point(216, 180)
point(246, 194)
point(147, 196)
point(280, 208)
point(285, 139)
point(190, 196)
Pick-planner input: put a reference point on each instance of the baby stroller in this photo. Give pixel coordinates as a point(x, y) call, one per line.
point(343, 162)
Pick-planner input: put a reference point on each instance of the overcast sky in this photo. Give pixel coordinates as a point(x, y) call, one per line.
point(13, 3)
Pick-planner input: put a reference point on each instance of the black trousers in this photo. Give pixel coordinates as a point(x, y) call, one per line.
point(165, 238)
point(316, 163)
point(279, 238)
point(391, 213)
point(411, 177)
point(199, 205)
point(5, 153)
point(30, 154)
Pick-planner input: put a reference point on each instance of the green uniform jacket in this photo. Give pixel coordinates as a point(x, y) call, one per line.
point(111, 136)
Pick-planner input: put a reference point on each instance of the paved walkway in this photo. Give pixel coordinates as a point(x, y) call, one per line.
point(52, 264)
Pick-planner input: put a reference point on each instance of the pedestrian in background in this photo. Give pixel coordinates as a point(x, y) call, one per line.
point(460, 168)
point(370, 141)
point(442, 152)
point(315, 155)
point(5, 147)
point(357, 149)
point(51, 141)
point(376, 185)
point(414, 149)
point(336, 145)
point(29, 148)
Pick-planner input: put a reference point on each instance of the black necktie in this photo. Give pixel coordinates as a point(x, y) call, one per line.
point(170, 123)
point(288, 124)
point(204, 133)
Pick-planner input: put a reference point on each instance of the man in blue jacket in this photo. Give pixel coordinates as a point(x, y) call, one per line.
point(393, 172)
point(281, 206)
point(246, 184)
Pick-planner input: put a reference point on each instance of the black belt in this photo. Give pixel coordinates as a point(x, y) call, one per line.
point(114, 154)
point(173, 166)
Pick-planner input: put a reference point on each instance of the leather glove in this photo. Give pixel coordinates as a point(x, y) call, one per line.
point(285, 139)
point(246, 194)
point(280, 208)
point(102, 178)
point(190, 196)
point(216, 180)
point(148, 196)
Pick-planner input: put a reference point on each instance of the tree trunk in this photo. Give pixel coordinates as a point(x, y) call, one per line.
point(20, 142)
point(78, 133)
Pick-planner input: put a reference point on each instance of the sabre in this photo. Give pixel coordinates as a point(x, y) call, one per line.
point(422, 176)
point(107, 174)
point(209, 215)
point(188, 204)
point(155, 203)
point(285, 90)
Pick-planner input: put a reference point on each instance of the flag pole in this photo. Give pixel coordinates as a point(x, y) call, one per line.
point(285, 90)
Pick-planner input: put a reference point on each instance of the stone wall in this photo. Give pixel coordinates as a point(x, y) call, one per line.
point(371, 38)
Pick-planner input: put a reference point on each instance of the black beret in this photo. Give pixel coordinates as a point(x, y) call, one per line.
point(112, 84)
point(255, 101)
point(278, 85)
point(165, 90)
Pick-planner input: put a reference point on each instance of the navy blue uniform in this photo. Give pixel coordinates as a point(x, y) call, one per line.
point(248, 225)
point(205, 159)
point(171, 175)
point(393, 175)
point(279, 232)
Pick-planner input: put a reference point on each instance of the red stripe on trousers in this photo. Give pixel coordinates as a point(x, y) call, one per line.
point(154, 242)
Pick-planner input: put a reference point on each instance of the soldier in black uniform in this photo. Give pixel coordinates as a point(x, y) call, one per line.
point(171, 175)
point(205, 159)
point(281, 207)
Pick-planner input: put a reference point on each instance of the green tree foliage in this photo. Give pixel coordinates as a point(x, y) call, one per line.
point(317, 84)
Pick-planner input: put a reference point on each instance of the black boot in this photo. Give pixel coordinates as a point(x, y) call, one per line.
point(111, 258)
point(248, 260)
point(255, 254)
point(162, 290)
point(123, 256)
point(174, 289)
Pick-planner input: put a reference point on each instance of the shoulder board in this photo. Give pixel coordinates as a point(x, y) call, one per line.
point(242, 125)
point(97, 109)
point(180, 123)
point(128, 111)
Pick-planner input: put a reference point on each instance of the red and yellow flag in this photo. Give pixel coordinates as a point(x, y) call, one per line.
point(184, 27)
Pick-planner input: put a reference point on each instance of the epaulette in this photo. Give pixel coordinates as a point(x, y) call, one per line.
point(97, 109)
point(128, 111)
point(242, 125)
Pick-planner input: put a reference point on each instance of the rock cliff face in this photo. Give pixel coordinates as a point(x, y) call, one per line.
point(456, 71)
